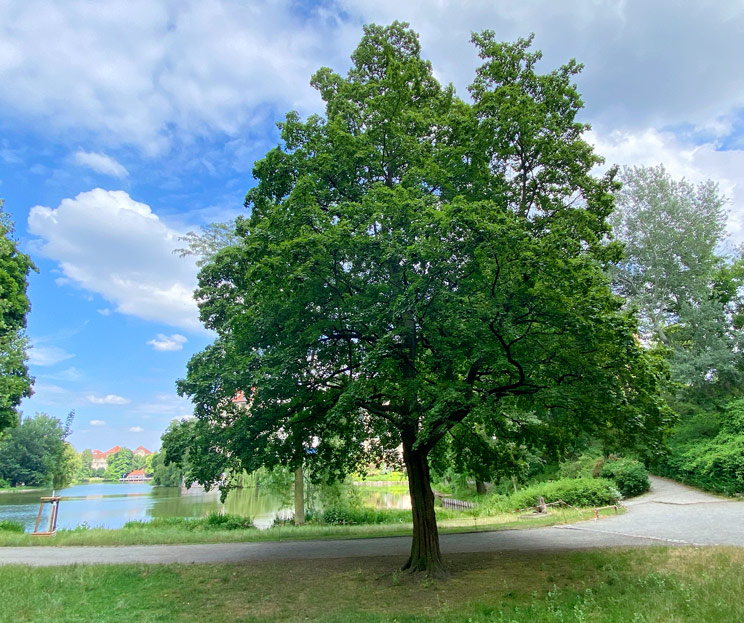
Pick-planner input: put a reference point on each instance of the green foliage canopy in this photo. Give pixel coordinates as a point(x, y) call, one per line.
point(35, 453)
point(85, 471)
point(15, 382)
point(119, 464)
point(688, 296)
point(414, 265)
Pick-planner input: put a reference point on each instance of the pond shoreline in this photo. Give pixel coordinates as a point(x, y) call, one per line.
point(22, 490)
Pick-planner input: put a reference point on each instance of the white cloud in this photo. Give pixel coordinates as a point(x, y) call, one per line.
point(166, 404)
point(105, 242)
point(47, 355)
point(108, 399)
point(69, 374)
point(100, 163)
point(164, 343)
point(143, 72)
point(97, 423)
point(136, 429)
point(640, 68)
point(104, 312)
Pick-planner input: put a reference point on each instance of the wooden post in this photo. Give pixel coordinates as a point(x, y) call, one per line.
point(38, 518)
point(52, 528)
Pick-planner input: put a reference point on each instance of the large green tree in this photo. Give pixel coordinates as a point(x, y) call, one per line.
point(119, 464)
point(85, 471)
point(15, 382)
point(34, 453)
point(686, 293)
point(165, 474)
point(415, 266)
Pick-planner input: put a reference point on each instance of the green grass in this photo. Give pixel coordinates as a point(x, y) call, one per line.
point(449, 522)
point(659, 585)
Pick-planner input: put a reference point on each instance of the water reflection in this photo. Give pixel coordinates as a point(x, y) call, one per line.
point(111, 505)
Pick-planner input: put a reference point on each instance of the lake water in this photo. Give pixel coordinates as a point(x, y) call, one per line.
point(111, 505)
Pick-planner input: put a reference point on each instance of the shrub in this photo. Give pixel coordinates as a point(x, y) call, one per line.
point(630, 476)
point(340, 515)
point(213, 521)
point(574, 491)
point(11, 526)
point(707, 449)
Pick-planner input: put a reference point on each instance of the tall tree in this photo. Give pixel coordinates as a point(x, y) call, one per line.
point(687, 295)
point(165, 475)
point(15, 382)
point(85, 471)
point(415, 266)
point(119, 464)
point(34, 452)
point(68, 467)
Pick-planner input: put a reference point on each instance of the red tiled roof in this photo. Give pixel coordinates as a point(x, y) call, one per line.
point(137, 472)
point(145, 450)
point(239, 396)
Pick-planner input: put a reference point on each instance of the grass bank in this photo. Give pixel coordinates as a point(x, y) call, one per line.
point(659, 585)
point(452, 522)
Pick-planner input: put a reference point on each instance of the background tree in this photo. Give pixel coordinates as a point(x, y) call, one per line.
point(687, 295)
point(15, 382)
point(148, 463)
point(33, 453)
point(416, 267)
point(208, 241)
point(85, 471)
point(119, 464)
point(174, 462)
point(165, 474)
point(138, 462)
point(67, 469)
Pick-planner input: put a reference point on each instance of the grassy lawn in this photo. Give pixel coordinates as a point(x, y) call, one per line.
point(660, 585)
point(454, 522)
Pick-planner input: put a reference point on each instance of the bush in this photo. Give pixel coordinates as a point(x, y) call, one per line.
point(11, 526)
point(341, 515)
point(215, 521)
point(574, 491)
point(630, 476)
point(707, 449)
point(212, 522)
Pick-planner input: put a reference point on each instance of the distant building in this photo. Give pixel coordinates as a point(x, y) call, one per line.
point(141, 451)
point(137, 475)
point(100, 459)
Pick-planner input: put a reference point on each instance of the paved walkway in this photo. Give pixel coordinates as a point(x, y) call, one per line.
point(670, 514)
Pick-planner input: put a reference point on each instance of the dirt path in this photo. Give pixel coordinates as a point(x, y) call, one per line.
point(669, 514)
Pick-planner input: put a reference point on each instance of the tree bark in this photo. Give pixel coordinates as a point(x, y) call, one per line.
point(299, 498)
point(425, 554)
point(480, 486)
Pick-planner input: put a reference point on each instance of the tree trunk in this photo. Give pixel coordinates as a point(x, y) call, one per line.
point(425, 555)
point(299, 498)
point(480, 486)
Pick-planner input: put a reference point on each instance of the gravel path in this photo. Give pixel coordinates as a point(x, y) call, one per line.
point(670, 514)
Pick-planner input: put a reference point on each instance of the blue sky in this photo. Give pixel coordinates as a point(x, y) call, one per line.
point(125, 124)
